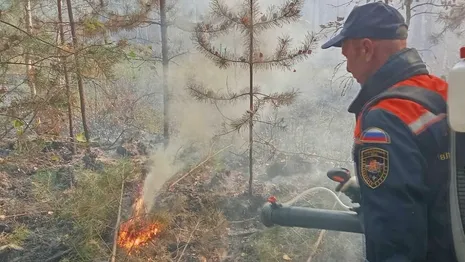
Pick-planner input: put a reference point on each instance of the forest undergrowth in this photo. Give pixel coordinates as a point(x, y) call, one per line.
point(61, 207)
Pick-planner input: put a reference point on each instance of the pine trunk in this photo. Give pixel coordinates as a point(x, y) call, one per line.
point(78, 71)
point(29, 67)
point(66, 74)
point(251, 47)
point(165, 63)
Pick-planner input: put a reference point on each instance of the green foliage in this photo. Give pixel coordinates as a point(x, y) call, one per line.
point(80, 137)
point(48, 56)
point(19, 126)
point(272, 244)
point(92, 26)
point(250, 25)
point(17, 237)
point(132, 54)
point(47, 185)
point(91, 205)
point(28, 147)
point(250, 21)
point(148, 119)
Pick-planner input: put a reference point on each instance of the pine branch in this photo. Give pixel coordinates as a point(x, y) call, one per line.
point(214, 30)
point(281, 99)
point(453, 19)
point(284, 57)
point(275, 99)
point(334, 26)
point(242, 122)
point(34, 37)
point(118, 22)
point(222, 58)
point(201, 93)
point(204, 94)
point(222, 13)
point(278, 16)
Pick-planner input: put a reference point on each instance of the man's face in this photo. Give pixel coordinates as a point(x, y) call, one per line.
point(358, 56)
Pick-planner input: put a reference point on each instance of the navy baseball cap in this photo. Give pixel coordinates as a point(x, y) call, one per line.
point(374, 20)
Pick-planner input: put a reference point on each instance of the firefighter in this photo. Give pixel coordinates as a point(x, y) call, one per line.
point(400, 147)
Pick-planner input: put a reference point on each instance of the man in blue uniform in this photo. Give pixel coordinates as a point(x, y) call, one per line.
point(400, 145)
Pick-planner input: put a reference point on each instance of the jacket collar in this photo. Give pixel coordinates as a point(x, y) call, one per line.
point(400, 66)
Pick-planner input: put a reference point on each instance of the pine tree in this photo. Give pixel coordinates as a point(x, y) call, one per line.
point(49, 59)
point(164, 16)
point(453, 20)
point(250, 22)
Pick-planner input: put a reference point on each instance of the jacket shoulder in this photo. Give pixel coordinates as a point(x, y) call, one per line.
point(411, 113)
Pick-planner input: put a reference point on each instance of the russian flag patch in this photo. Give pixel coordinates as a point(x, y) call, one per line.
point(375, 135)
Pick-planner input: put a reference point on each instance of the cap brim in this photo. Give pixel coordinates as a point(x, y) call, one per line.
point(334, 42)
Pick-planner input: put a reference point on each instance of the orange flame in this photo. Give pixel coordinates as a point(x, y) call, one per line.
point(137, 231)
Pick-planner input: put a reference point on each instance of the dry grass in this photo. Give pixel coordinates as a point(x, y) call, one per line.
point(89, 205)
point(193, 227)
point(85, 208)
point(17, 237)
point(274, 243)
point(190, 223)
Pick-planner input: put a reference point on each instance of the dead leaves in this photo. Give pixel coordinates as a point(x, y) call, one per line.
point(286, 257)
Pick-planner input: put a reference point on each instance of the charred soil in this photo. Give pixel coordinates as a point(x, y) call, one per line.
point(55, 206)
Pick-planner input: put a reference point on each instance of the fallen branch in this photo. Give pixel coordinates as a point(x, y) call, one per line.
point(189, 240)
point(244, 233)
point(320, 237)
point(118, 221)
point(110, 147)
point(11, 247)
point(3, 217)
point(197, 166)
point(317, 244)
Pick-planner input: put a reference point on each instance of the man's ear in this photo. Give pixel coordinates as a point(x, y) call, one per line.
point(367, 48)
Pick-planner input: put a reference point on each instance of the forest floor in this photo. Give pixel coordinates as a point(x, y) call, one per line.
point(56, 206)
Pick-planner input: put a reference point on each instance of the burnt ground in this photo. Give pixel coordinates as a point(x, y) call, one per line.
point(29, 230)
point(52, 210)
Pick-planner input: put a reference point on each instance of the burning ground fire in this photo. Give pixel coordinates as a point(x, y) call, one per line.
point(138, 230)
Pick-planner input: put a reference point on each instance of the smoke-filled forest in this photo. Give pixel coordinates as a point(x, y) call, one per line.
point(155, 130)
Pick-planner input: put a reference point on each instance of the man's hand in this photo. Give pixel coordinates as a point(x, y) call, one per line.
point(351, 188)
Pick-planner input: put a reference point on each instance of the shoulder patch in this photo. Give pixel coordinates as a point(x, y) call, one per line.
point(374, 166)
point(374, 135)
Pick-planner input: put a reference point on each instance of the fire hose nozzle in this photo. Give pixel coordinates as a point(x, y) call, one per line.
point(291, 216)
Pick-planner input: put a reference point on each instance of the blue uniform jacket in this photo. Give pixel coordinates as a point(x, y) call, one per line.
point(402, 162)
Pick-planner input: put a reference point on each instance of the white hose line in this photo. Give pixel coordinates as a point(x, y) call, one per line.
point(301, 195)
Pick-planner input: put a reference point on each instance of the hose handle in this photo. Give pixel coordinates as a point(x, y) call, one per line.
point(340, 175)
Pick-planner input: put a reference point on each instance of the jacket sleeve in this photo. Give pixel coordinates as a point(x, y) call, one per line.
point(390, 169)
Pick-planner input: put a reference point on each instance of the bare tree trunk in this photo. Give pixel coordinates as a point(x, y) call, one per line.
point(30, 72)
point(408, 11)
point(65, 72)
point(251, 47)
point(105, 31)
point(445, 56)
point(165, 63)
point(78, 71)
